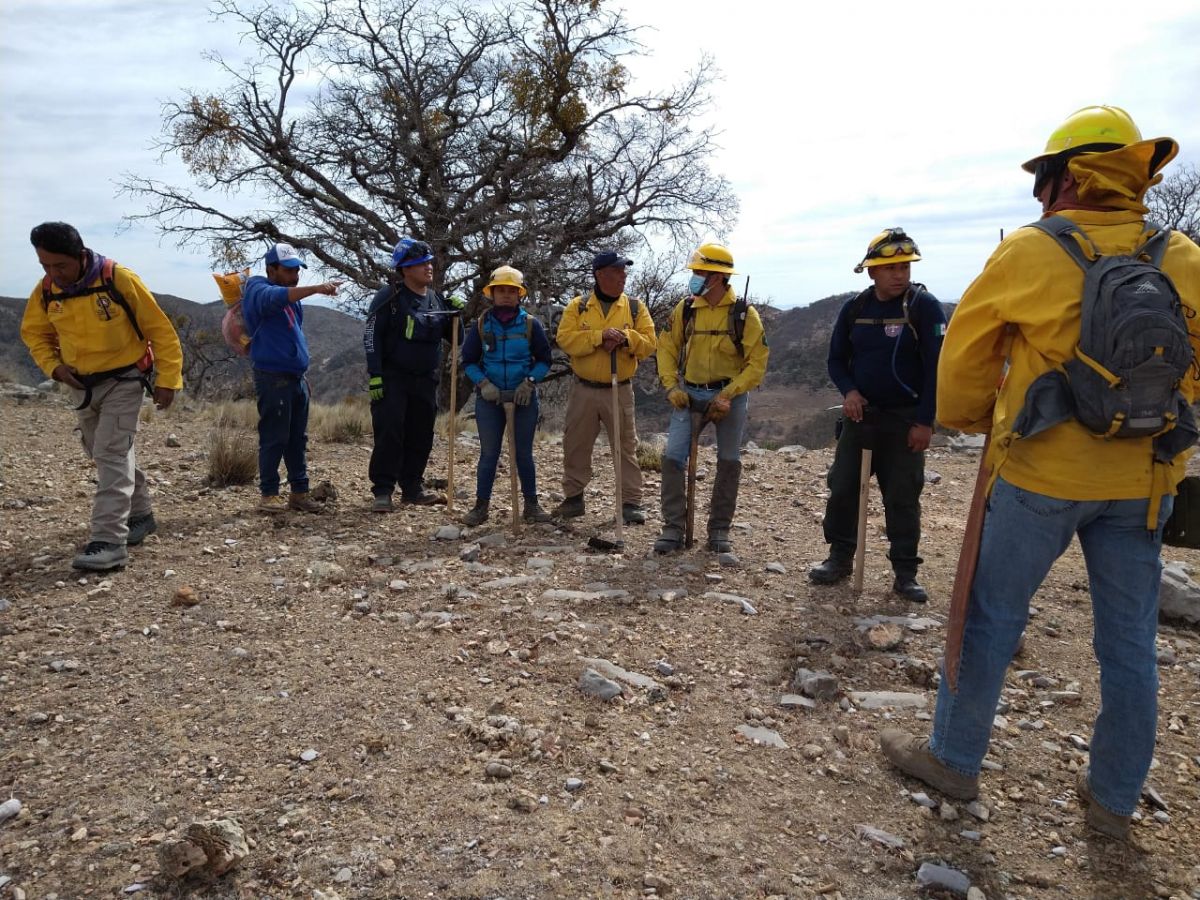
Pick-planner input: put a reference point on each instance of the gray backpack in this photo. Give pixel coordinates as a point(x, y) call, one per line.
point(1133, 349)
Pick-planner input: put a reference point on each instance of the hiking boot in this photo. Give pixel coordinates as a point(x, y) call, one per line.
point(719, 542)
point(913, 757)
point(139, 527)
point(633, 514)
point(670, 541)
point(98, 556)
point(382, 503)
point(302, 501)
point(908, 588)
point(570, 508)
point(533, 511)
point(272, 504)
point(1097, 817)
point(423, 498)
point(478, 514)
point(832, 570)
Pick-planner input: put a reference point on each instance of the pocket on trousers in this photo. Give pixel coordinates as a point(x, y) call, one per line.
point(1041, 505)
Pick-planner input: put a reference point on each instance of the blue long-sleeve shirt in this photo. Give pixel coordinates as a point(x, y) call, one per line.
point(890, 362)
point(275, 326)
point(511, 358)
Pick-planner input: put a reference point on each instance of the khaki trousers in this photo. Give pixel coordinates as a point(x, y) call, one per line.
point(587, 409)
point(107, 427)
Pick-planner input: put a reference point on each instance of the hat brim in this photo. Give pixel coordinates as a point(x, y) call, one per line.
point(419, 261)
point(886, 261)
point(619, 262)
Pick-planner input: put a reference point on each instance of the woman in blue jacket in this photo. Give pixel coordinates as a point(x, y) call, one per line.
point(505, 354)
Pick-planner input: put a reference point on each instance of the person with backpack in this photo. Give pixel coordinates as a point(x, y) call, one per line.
point(602, 330)
point(274, 319)
point(406, 324)
point(883, 357)
point(1048, 299)
point(505, 355)
point(94, 326)
point(711, 353)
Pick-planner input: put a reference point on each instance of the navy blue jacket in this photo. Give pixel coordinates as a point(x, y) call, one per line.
point(511, 359)
point(405, 331)
point(891, 363)
point(276, 328)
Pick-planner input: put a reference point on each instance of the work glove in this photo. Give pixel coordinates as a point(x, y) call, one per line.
point(679, 398)
point(489, 391)
point(456, 303)
point(375, 387)
point(718, 408)
point(524, 393)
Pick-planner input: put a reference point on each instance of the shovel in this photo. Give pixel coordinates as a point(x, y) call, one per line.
point(618, 543)
point(506, 397)
point(699, 419)
point(453, 414)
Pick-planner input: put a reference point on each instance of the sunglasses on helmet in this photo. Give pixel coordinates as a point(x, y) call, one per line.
point(897, 243)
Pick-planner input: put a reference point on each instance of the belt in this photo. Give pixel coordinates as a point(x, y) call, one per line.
point(598, 384)
point(709, 385)
point(97, 378)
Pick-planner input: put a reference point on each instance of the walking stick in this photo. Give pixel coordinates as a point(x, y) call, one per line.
point(510, 427)
point(693, 452)
point(964, 575)
point(616, 450)
point(864, 493)
point(453, 413)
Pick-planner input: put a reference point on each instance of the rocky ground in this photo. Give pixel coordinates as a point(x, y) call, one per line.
point(387, 714)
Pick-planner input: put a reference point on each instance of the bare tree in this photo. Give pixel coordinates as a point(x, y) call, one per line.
point(1175, 202)
point(209, 363)
point(505, 134)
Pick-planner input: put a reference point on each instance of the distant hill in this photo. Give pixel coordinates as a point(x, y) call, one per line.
point(790, 407)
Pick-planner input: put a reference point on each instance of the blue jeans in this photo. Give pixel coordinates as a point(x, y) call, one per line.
point(1023, 534)
point(729, 429)
point(489, 418)
point(282, 430)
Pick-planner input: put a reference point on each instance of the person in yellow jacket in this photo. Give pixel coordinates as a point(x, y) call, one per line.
point(594, 331)
point(1063, 482)
point(711, 353)
point(91, 324)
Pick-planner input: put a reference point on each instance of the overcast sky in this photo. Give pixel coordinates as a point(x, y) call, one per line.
point(837, 120)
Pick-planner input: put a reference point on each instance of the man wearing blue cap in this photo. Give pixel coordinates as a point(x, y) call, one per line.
point(279, 353)
point(406, 324)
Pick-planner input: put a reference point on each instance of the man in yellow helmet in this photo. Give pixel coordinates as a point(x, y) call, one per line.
point(595, 330)
point(1114, 494)
point(711, 353)
point(883, 357)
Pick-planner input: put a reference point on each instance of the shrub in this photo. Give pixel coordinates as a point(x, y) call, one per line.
point(342, 423)
point(232, 457)
point(238, 414)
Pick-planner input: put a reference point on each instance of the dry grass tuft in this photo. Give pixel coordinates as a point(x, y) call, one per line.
point(342, 423)
point(650, 455)
point(238, 414)
point(232, 457)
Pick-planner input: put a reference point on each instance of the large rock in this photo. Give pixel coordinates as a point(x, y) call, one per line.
point(1178, 596)
point(208, 850)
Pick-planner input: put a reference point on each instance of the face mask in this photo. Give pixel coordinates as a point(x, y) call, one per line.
point(696, 284)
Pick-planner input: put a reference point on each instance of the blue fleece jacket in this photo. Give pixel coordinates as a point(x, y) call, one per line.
point(276, 328)
point(511, 358)
point(891, 362)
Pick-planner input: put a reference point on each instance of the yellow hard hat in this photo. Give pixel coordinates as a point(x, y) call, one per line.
point(711, 258)
point(505, 275)
point(1094, 129)
point(890, 246)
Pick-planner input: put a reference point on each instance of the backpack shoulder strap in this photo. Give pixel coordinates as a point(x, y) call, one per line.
point(635, 310)
point(1155, 246)
point(737, 323)
point(1063, 230)
point(110, 285)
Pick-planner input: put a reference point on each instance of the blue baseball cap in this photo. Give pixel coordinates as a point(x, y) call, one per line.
point(284, 255)
point(609, 258)
point(411, 252)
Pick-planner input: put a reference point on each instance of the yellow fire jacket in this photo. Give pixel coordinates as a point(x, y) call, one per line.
point(581, 330)
point(711, 354)
point(92, 337)
point(1029, 293)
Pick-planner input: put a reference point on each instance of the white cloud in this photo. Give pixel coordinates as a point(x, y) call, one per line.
point(836, 120)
